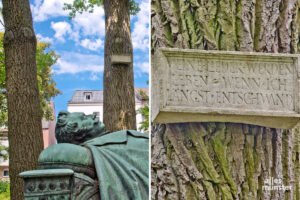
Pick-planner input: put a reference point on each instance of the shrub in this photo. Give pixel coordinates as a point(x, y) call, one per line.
point(4, 190)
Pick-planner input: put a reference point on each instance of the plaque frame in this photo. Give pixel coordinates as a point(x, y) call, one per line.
point(162, 112)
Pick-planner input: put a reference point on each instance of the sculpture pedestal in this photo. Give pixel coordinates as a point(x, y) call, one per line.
point(63, 184)
point(120, 160)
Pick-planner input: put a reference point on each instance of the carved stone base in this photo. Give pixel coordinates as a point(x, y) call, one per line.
point(59, 184)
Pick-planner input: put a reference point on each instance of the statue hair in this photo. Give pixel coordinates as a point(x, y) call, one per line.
point(66, 132)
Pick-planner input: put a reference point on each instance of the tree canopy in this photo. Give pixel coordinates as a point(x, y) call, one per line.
point(47, 86)
point(88, 5)
point(144, 111)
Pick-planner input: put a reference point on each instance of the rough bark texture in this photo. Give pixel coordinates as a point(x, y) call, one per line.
point(119, 101)
point(24, 114)
point(224, 160)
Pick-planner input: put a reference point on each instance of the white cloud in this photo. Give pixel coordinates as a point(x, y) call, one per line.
point(71, 62)
point(82, 26)
point(61, 30)
point(92, 45)
point(44, 39)
point(43, 10)
point(142, 66)
point(140, 34)
point(90, 24)
point(73, 67)
point(95, 76)
point(87, 23)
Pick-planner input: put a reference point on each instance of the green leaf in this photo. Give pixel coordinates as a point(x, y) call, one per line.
point(79, 6)
point(46, 84)
point(144, 111)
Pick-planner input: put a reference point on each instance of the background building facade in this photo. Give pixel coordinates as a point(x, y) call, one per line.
point(91, 102)
point(48, 127)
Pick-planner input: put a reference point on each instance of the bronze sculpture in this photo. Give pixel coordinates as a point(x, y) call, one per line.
point(103, 165)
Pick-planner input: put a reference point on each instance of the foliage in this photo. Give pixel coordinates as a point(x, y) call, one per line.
point(144, 111)
point(3, 104)
point(4, 186)
point(143, 95)
point(46, 84)
point(47, 87)
point(88, 5)
point(4, 190)
point(3, 153)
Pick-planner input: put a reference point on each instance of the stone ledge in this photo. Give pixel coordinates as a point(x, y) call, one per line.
point(272, 122)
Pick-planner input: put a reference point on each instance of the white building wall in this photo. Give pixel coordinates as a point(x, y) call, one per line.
point(2, 161)
point(91, 108)
point(139, 117)
point(87, 109)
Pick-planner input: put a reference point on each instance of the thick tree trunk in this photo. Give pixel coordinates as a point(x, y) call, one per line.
point(119, 99)
point(24, 113)
point(224, 160)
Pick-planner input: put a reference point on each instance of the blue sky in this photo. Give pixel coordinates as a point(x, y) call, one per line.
point(80, 44)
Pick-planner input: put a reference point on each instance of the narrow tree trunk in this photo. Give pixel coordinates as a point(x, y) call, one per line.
point(24, 114)
point(119, 99)
point(224, 160)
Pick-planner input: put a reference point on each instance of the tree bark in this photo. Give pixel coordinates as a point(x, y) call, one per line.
point(224, 160)
point(119, 97)
point(24, 113)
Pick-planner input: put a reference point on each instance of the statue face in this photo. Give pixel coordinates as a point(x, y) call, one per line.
point(82, 127)
point(88, 122)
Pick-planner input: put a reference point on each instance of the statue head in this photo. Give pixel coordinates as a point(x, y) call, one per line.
point(77, 127)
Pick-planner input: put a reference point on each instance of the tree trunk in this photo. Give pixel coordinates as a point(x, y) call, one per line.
point(119, 97)
point(24, 113)
point(224, 160)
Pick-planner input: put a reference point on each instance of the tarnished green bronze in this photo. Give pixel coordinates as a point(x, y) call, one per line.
point(106, 165)
point(59, 184)
point(48, 184)
point(121, 162)
point(68, 156)
point(77, 127)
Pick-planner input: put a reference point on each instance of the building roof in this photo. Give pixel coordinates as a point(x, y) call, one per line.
point(142, 93)
point(97, 96)
point(145, 90)
point(79, 96)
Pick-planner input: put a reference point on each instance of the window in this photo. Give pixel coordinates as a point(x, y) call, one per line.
point(87, 96)
point(5, 173)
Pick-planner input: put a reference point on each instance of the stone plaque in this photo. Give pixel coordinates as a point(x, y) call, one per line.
point(221, 86)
